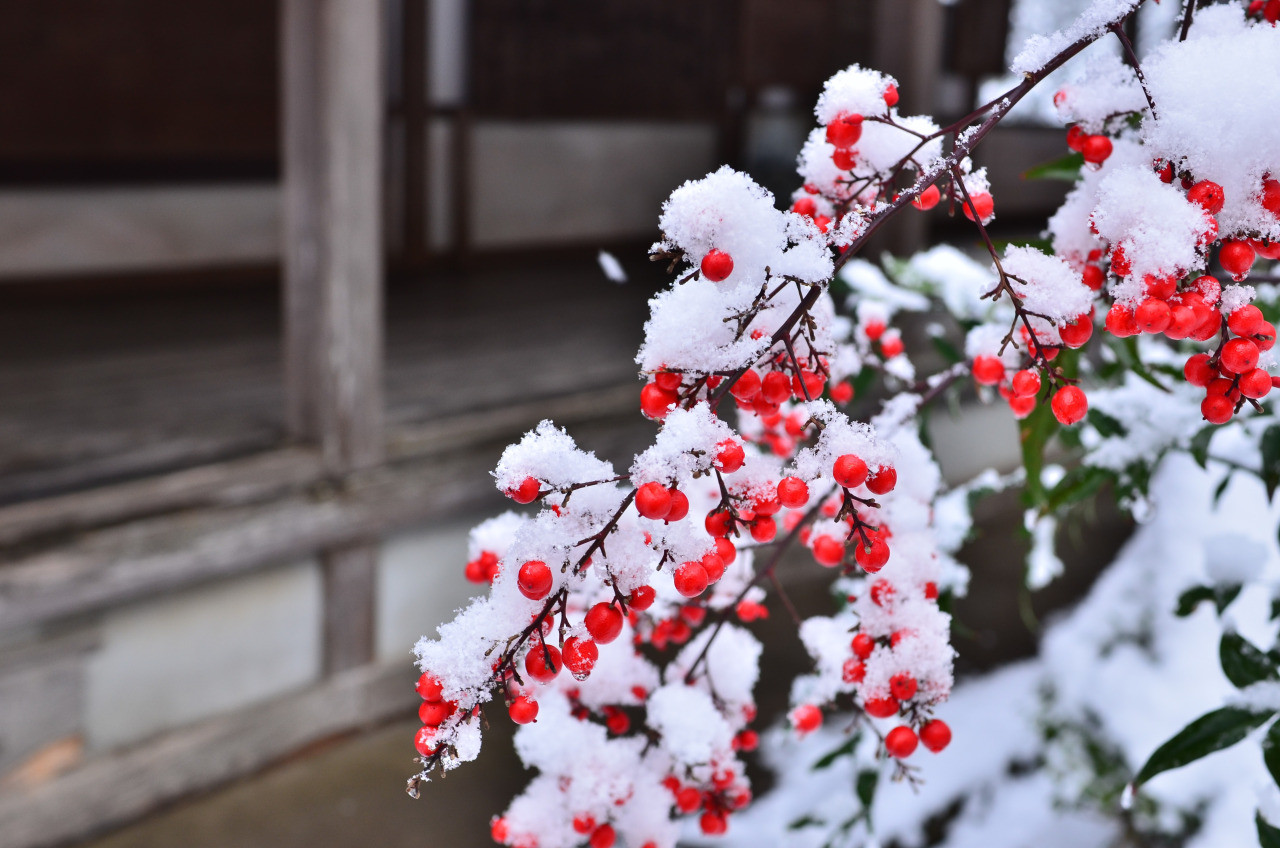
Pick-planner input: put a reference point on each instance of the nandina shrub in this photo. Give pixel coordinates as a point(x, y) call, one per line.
point(614, 629)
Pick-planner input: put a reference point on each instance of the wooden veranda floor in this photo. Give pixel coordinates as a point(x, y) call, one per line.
point(99, 385)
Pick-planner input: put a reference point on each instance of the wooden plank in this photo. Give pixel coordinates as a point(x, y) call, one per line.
point(332, 141)
point(119, 565)
point(233, 482)
point(350, 577)
point(110, 790)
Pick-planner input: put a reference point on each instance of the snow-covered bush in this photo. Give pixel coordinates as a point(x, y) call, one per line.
point(614, 625)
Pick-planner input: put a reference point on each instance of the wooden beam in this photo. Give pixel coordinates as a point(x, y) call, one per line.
point(332, 67)
point(148, 557)
point(113, 789)
point(350, 577)
point(416, 142)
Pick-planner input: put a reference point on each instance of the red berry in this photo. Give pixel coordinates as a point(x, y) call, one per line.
point(1026, 383)
point(668, 381)
point(1271, 196)
point(713, 823)
point(526, 492)
point(881, 707)
point(747, 740)
point(726, 551)
point(642, 598)
point(776, 387)
point(1246, 320)
point(679, 505)
point(883, 480)
point(688, 799)
point(763, 529)
point(1069, 405)
point(729, 456)
point(717, 265)
point(842, 393)
point(691, 579)
point(1022, 406)
point(1152, 315)
point(1198, 371)
point(602, 837)
point(1256, 384)
point(653, 500)
point(580, 657)
point(927, 199)
point(806, 718)
point(1096, 149)
point(1093, 277)
point(805, 206)
point(935, 735)
point(1121, 322)
point(747, 386)
point(604, 622)
point(792, 492)
point(843, 158)
point(982, 204)
point(534, 580)
point(434, 713)
point(901, 742)
point(1207, 195)
point(1217, 409)
point(1236, 258)
point(853, 671)
point(719, 522)
point(891, 345)
point(428, 688)
point(828, 551)
point(1265, 336)
point(584, 823)
point(1076, 332)
point(1239, 356)
point(871, 557)
point(543, 662)
point(844, 131)
point(931, 590)
point(423, 741)
point(1182, 321)
point(863, 645)
point(891, 96)
point(881, 593)
point(849, 471)
point(523, 710)
point(656, 402)
point(714, 566)
point(873, 329)
point(903, 686)
point(1076, 137)
point(987, 370)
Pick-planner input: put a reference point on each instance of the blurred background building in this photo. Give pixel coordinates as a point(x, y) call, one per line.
point(279, 280)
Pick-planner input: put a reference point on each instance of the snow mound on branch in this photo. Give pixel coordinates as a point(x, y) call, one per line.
point(1039, 50)
point(1048, 286)
point(853, 91)
point(1216, 116)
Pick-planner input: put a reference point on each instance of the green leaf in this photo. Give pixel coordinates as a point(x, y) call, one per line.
point(1200, 444)
point(1078, 484)
point(947, 350)
point(1212, 732)
point(1271, 459)
point(1127, 352)
point(1242, 662)
point(1035, 431)
point(805, 821)
point(1271, 751)
point(867, 781)
point(1066, 168)
point(1221, 488)
point(843, 751)
point(1105, 424)
point(1222, 596)
point(1268, 835)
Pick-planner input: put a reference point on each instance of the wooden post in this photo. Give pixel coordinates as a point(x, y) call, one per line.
point(332, 143)
point(332, 81)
